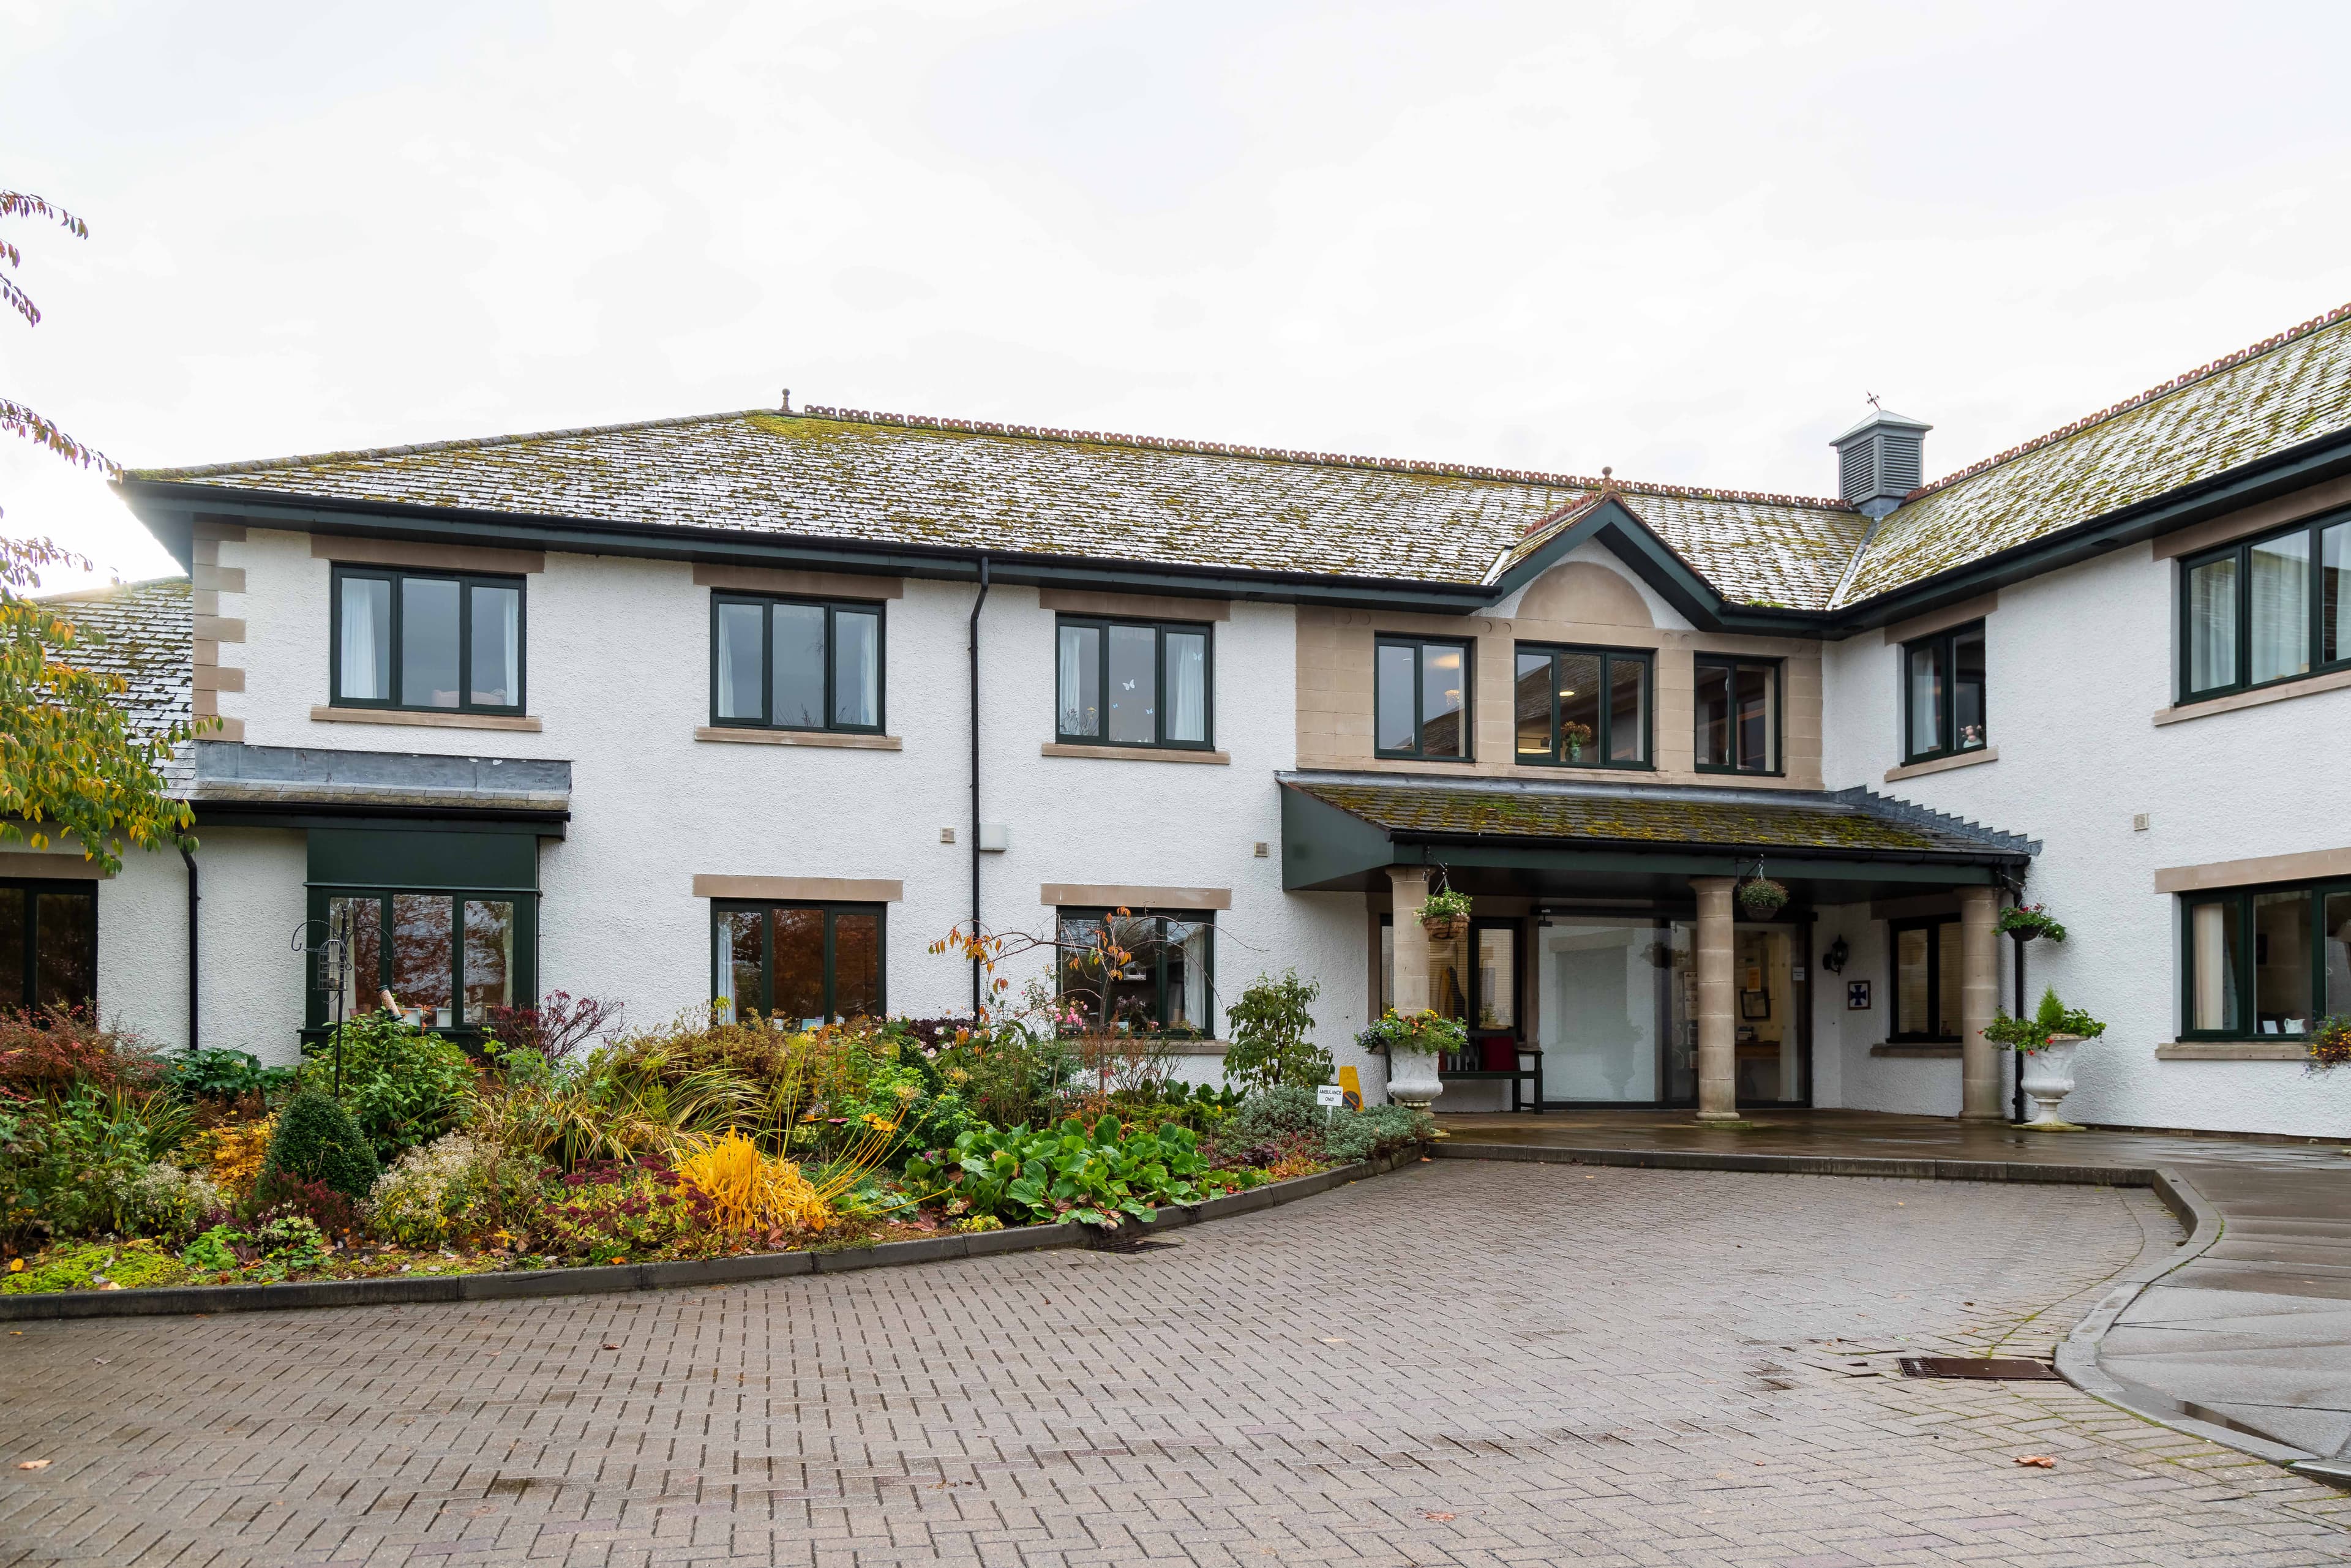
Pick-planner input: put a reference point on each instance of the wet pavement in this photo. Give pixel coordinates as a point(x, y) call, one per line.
point(2253, 1334)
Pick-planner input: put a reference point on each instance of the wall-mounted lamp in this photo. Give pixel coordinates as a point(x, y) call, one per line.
point(1834, 959)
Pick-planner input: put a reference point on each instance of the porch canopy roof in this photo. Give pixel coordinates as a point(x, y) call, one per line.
point(1608, 839)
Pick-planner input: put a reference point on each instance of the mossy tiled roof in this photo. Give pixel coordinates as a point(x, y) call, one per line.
point(2255, 403)
point(832, 474)
point(880, 479)
point(1633, 816)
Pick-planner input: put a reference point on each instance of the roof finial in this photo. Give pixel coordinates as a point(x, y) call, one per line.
point(1871, 396)
point(1607, 473)
point(787, 400)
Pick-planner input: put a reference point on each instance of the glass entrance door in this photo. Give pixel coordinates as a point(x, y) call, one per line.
point(1616, 998)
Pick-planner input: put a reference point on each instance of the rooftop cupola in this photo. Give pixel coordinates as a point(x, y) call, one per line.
point(1881, 460)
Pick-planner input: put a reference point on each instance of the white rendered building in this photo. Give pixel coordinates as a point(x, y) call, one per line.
point(752, 708)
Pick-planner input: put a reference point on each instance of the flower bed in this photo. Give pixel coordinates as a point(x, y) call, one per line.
point(120, 1169)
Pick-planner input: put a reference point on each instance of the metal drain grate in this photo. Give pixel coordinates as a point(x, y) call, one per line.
point(1995, 1368)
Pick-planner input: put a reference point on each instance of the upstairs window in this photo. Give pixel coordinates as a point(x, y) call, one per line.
point(1132, 683)
point(2265, 610)
point(1421, 698)
point(2265, 961)
point(1582, 707)
point(790, 663)
point(1943, 694)
point(426, 640)
point(1738, 708)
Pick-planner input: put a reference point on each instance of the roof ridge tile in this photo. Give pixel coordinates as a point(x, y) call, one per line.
point(1292, 455)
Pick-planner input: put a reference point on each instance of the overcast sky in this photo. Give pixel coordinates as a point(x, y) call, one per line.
point(1684, 240)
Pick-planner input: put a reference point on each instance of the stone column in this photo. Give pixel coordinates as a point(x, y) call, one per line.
point(1979, 1076)
point(1718, 1061)
point(1409, 891)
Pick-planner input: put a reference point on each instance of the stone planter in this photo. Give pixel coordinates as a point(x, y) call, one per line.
point(1412, 1078)
point(2048, 1078)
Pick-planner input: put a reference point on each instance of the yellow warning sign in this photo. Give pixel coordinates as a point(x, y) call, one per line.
point(1354, 1087)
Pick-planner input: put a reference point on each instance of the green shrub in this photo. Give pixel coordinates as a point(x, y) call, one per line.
point(1375, 1130)
point(212, 1253)
point(290, 1244)
point(1270, 1026)
point(1276, 1114)
point(404, 1085)
point(165, 1201)
point(70, 1166)
point(452, 1189)
point(1091, 1176)
point(1008, 1077)
point(317, 1140)
point(223, 1075)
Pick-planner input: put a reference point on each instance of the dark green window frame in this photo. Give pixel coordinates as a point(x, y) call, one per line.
point(1565, 751)
point(317, 1014)
point(397, 700)
point(1418, 646)
point(1726, 667)
point(34, 933)
point(767, 604)
point(1951, 738)
point(2237, 976)
point(1203, 920)
point(721, 954)
point(2326, 629)
point(1932, 925)
point(1068, 706)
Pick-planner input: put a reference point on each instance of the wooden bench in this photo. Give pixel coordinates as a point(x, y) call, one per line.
point(1525, 1079)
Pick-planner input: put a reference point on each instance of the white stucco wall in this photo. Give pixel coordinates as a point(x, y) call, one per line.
point(2078, 662)
point(618, 662)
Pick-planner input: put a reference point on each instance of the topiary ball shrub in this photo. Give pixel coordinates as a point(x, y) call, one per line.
point(317, 1140)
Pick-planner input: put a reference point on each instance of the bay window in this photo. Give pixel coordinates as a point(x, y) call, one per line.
point(425, 641)
point(1163, 986)
point(2266, 609)
point(1582, 707)
point(1132, 683)
point(786, 664)
point(446, 958)
point(2264, 961)
point(1737, 702)
point(1943, 694)
point(800, 965)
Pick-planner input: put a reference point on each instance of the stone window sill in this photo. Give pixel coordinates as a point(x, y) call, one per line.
point(1917, 1049)
point(2309, 685)
point(411, 719)
point(1133, 753)
point(2233, 1050)
point(801, 738)
point(1942, 764)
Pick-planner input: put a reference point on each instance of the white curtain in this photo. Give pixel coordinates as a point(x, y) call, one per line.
point(1074, 642)
point(2216, 979)
point(362, 677)
point(2212, 626)
point(869, 673)
point(513, 648)
point(1188, 683)
point(2281, 595)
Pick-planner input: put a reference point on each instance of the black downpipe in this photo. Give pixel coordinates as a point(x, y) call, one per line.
point(2017, 1098)
point(195, 898)
point(977, 963)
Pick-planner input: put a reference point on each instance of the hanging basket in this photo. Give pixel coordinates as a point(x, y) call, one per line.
point(1447, 927)
point(1445, 916)
point(1761, 897)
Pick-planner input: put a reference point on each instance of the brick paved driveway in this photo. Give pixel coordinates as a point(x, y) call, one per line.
point(1461, 1364)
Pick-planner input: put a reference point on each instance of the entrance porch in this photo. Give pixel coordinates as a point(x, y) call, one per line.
point(1608, 961)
